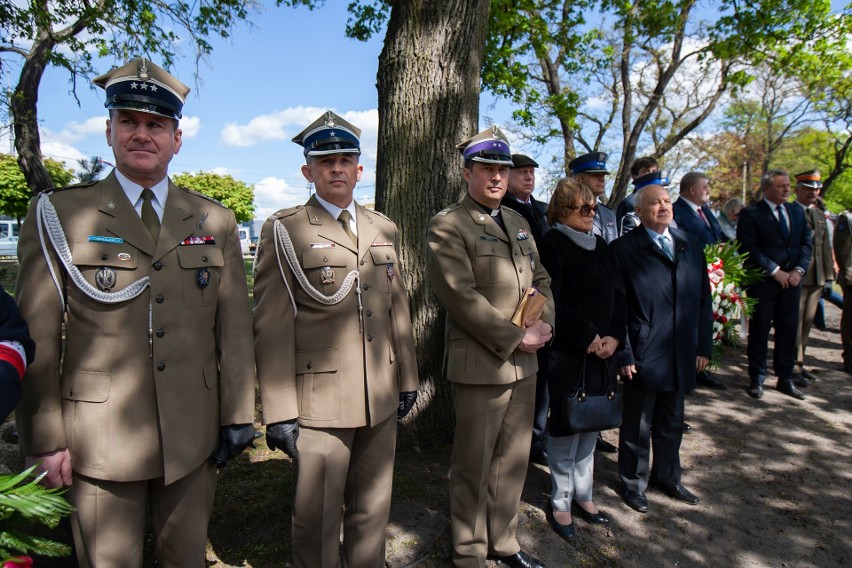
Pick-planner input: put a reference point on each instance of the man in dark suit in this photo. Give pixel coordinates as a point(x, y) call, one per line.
point(778, 241)
point(519, 197)
point(669, 338)
point(692, 215)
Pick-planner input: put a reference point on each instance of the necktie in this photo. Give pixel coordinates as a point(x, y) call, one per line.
point(344, 219)
point(665, 246)
point(703, 216)
point(783, 221)
point(149, 216)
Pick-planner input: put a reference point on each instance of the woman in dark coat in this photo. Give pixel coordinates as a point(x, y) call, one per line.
point(590, 324)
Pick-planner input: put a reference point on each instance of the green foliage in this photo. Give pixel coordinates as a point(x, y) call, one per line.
point(15, 195)
point(90, 169)
point(366, 19)
point(234, 194)
point(24, 503)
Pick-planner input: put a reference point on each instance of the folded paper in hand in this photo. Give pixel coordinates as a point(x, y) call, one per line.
point(529, 308)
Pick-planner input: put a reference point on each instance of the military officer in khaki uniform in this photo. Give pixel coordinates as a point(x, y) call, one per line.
point(335, 353)
point(843, 255)
point(481, 258)
point(820, 273)
point(157, 361)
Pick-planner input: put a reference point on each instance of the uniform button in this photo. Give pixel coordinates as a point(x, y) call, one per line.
point(161, 366)
point(161, 332)
point(515, 252)
point(325, 259)
point(387, 256)
point(104, 257)
point(369, 338)
point(369, 313)
point(520, 270)
point(309, 365)
point(493, 250)
point(159, 299)
point(158, 265)
point(203, 259)
point(366, 286)
point(362, 262)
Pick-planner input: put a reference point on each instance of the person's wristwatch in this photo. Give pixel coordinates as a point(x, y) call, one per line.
point(800, 270)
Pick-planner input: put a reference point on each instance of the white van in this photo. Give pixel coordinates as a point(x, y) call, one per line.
point(245, 241)
point(9, 228)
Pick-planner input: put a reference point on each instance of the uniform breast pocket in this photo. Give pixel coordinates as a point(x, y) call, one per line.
point(386, 267)
point(317, 384)
point(109, 267)
point(200, 266)
point(492, 262)
point(326, 268)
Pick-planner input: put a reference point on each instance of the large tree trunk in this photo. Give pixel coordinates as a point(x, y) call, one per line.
point(428, 86)
point(24, 111)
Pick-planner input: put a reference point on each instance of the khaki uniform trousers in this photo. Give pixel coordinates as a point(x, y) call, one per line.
point(350, 467)
point(109, 524)
point(807, 310)
point(488, 469)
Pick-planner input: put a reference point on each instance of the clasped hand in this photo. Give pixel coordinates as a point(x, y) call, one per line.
point(536, 335)
point(602, 347)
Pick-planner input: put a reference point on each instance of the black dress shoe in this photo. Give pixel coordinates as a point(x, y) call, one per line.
point(755, 390)
point(799, 380)
point(681, 493)
point(520, 559)
point(566, 532)
point(686, 428)
point(604, 446)
point(709, 380)
point(790, 390)
point(598, 518)
point(808, 375)
point(636, 501)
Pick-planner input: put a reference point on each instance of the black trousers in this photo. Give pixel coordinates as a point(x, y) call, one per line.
point(542, 400)
point(779, 308)
point(650, 418)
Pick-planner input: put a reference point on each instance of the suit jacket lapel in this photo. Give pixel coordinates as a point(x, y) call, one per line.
point(180, 219)
point(327, 226)
point(644, 241)
point(123, 220)
point(367, 232)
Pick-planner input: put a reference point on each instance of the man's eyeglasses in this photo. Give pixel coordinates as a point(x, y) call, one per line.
point(585, 210)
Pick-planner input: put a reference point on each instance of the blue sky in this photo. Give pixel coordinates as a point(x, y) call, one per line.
point(257, 90)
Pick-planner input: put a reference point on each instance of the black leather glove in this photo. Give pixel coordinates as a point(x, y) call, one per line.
point(283, 436)
point(827, 289)
point(406, 401)
point(233, 439)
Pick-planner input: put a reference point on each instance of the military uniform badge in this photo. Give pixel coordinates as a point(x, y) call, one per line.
point(327, 275)
point(105, 278)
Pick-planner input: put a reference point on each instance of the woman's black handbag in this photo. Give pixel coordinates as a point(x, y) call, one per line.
point(592, 413)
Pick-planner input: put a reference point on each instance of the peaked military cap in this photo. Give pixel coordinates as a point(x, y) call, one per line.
point(651, 178)
point(140, 85)
point(523, 161)
point(329, 134)
point(489, 147)
point(810, 178)
point(591, 163)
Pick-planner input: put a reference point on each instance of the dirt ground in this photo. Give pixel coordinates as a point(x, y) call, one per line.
point(773, 475)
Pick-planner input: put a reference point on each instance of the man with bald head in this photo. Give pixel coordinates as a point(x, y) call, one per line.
point(669, 338)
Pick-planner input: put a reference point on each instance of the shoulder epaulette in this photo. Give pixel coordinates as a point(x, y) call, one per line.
point(449, 209)
point(503, 210)
point(288, 212)
point(81, 185)
point(199, 194)
point(378, 214)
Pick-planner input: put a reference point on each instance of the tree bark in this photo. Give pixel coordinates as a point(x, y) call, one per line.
point(24, 106)
point(428, 87)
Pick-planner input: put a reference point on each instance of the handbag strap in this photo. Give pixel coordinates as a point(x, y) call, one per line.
point(581, 385)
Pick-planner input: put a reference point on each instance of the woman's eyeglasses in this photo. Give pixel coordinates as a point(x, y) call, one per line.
point(585, 210)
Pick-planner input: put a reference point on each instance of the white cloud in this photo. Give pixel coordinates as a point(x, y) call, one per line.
point(223, 171)
point(190, 125)
point(74, 131)
point(272, 194)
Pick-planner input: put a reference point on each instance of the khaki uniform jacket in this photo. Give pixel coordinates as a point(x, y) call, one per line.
point(314, 362)
point(843, 247)
point(479, 273)
point(821, 267)
point(128, 409)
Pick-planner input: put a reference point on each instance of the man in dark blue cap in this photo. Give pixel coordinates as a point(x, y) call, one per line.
point(640, 167)
point(335, 353)
point(590, 170)
point(135, 293)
